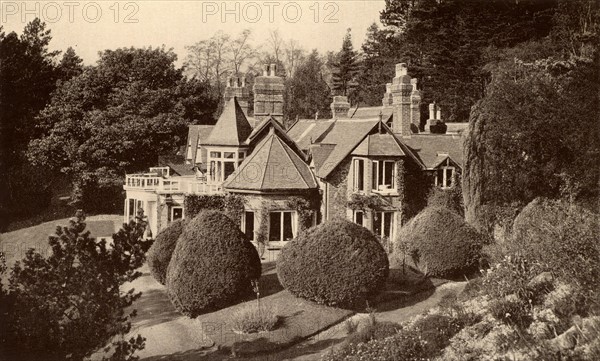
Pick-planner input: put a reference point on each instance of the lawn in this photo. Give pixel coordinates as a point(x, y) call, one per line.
point(169, 333)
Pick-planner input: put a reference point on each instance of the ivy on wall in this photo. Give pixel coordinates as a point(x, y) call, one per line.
point(306, 209)
point(230, 204)
point(365, 202)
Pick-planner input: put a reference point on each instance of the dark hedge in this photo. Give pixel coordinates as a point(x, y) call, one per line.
point(212, 266)
point(162, 249)
point(337, 263)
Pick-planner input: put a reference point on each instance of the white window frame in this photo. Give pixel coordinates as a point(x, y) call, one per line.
point(376, 164)
point(355, 162)
point(243, 225)
point(355, 213)
point(221, 160)
point(172, 213)
point(381, 220)
point(282, 227)
point(445, 170)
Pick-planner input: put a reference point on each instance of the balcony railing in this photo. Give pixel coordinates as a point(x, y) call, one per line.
point(151, 182)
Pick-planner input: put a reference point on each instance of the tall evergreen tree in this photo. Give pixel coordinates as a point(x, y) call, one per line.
point(70, 65)
point(345, 68)
point(309, 93)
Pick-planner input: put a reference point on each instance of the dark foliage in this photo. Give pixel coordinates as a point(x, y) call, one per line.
point(344, 70)
point(230, 204)
point(560, 238)
point(441, 242)
point(212, 266)
point(346, 262)
point(161, 251)
point(375, 331)
point(70, 305)
point(447, 198)
point(437, 330)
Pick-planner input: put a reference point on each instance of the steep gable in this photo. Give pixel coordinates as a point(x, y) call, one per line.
point(272, 166)
point(232, 128)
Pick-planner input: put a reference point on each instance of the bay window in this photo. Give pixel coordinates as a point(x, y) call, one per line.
point(222, 164)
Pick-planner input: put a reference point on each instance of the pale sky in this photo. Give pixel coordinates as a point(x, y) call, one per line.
point(91, 26)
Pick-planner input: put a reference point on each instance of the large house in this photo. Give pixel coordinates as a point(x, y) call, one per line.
point(370, 165)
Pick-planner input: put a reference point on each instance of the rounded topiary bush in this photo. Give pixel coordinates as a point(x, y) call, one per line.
point(159, 255)
point(212, 266)
point(559, 237)
point(441, 243)
point(337, 263)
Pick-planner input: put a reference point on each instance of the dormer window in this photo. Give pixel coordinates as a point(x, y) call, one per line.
point(383, 175)
point(444, 177)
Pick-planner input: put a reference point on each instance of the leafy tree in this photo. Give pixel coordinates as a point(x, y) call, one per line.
point(345, 69)
point(117, 117)
point(70, 305)
point(309, 93)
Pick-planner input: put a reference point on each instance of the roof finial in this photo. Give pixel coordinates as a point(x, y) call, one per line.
point(317, 115)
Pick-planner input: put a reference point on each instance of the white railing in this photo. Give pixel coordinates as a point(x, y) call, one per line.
point(151, 182)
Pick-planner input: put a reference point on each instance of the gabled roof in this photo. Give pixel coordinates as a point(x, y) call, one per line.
point(434, 149)
point(305, 130)
point(197, 134)
point(232, 128)
point(379, 145)
point(272, 166)
point(271, 124)
point(346, 134)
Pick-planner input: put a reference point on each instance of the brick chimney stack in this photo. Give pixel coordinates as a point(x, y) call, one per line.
point(236, 87)
point(388, 98)
point(340, 107)
point(268, 94)
point(401, 91)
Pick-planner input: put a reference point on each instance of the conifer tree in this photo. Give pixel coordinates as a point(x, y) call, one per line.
point(345, 69)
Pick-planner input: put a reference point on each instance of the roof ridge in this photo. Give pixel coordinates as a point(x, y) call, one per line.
point(269, 138)
point(285, 149)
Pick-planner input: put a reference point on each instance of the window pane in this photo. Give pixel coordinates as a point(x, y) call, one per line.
point(439, 180)
point(377, 224)
point(229, 155)
point(380, 174)
point(274, 226)
point(374, 172)
point(449, 177)
point(387, 224)
point(389, 173)
point(358, 218)
point(131, 207)
point(215, 154)
point(229, 168)
point(359, 174)
point(287, 226)
point(249, 225)
point(177, 213)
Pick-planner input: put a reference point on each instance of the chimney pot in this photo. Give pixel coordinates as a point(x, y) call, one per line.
point(432, 111)
point(401, 69)
point(273, 69)
point(414, 81)
point(439, 114)
point(388, 88)
point(266, 70)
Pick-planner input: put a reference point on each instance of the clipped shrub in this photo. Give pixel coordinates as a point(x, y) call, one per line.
point(441, 243)
point(212, 267)
point(162, 249)
point(337, 263)
point(252, 319)
point(447, 198)
point(561, 238)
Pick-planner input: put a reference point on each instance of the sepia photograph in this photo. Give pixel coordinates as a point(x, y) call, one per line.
point(302, 180)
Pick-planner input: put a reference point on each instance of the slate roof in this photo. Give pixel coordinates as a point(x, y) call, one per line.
point(379, 145)
point(431, 150)
point(320, 152)
point(232, 128)
point(346, 134)
point(306, 129)
point(272, 166)
point(370, 112)
point(197, 134)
